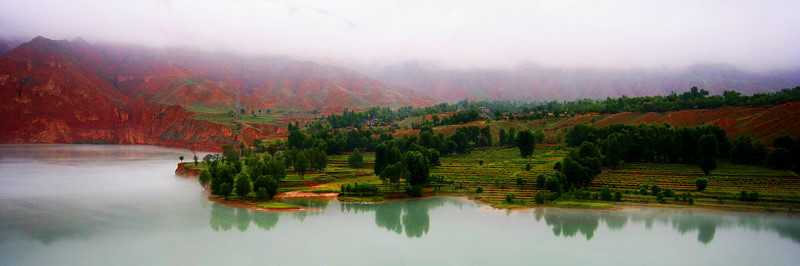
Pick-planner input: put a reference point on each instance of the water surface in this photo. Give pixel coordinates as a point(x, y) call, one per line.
point(111, 204)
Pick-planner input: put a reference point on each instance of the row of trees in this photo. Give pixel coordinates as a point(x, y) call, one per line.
point(786, 154)
point(664, 143)
point(652, 142)
point(467, 111)
point(335, 141)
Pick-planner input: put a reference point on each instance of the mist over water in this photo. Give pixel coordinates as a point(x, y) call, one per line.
point(115, 204)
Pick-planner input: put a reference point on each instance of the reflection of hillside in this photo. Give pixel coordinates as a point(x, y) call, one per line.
point(409, 216)
point(568, 223)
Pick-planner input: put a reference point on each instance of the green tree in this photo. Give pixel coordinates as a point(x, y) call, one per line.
point(418, 167)
point(394, 173)
point(276, 168)
point(708, 152)
point(701, 183)
point(225, 190)
point(230, 153)
point(355, 160)
point(605, 194)
point(660, 198)
point(510, 197)
point(301, 164)
point(271, 187)
point(525, 143)
point(243, 186)
point(655, 189)
point(180, 158)
point(204, 178)
point(501, 137)
point(261, 194)
point(225, 174)
point(196, 162)
point(580, 133)
point(540, 181)
point(538, 198)
point(707, 164)
point(554, 183)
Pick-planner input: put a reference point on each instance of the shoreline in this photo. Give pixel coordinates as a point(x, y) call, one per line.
point(183, 171)
point(564, 205)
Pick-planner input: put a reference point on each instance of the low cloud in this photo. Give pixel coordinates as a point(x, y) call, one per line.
point(753, 35)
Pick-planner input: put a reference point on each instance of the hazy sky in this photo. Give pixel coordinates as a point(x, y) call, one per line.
point(754, 35)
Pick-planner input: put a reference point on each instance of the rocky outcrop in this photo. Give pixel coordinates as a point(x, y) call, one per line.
point(182, 170)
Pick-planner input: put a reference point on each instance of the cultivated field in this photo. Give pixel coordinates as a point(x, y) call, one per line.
point(781, 188)
point(499, 172)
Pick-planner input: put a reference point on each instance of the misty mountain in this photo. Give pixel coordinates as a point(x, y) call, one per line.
point(531, 82)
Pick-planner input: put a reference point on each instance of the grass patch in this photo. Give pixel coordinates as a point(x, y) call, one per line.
point(583, 205)
point(364, 198)
point(276, 205)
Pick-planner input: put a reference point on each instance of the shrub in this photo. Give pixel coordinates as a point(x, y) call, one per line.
point(479, 190)
point(355, 160)
point(690, 200)
point(655, 189)
point(225, 190)
point(643, 191)
point(510, 197)
point(660, 198)
point(527, 167)
point(480, 162)
point(358, 188)
point(605, 194)
point(243, 185)
point(261, 194)
point(552, 196)
point(540, 180)
point(553, 183)
point(205, 178)
point(751, 196)
point(538, 198)
point(669, 193)
point(414, 191)
point(617, 196)
point(701, 183)
point(520, 181)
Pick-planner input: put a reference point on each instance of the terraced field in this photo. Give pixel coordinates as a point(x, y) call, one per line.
point(780, 187)
point(499, 172)
point(336, 173)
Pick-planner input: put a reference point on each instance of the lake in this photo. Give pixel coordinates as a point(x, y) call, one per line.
point(121, 205)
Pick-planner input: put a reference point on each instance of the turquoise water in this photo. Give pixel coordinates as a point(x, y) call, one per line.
point(106, 204)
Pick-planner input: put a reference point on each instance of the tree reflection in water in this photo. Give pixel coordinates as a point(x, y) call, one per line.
point(567, 223)
point(412, 218)
point(224, 218)
point(409, 216)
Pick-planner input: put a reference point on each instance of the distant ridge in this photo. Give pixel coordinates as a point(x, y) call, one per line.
point(536, 83)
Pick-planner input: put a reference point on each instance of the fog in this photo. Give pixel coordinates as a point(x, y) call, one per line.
point(752, 35)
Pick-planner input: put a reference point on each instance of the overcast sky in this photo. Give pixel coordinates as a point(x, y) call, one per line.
point(754, 35)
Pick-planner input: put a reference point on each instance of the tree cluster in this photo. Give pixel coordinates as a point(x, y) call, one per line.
point(786, 154)
point(359, 188)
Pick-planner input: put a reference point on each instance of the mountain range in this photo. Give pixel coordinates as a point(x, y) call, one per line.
point(59, 91)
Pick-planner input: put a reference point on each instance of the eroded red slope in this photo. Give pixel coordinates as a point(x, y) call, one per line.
point(60, 92)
